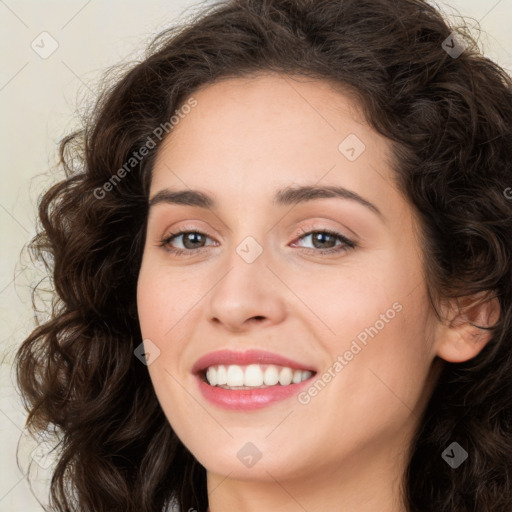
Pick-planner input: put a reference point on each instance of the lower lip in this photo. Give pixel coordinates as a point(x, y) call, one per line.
point(249, 399)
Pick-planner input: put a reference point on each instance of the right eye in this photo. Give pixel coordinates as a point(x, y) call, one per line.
point(187, 240)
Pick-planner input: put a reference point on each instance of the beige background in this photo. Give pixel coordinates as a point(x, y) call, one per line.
point(38, 100)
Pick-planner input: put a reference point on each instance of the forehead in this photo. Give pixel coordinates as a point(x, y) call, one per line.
point(270, 93)
point(268, 106)
point(269, 126)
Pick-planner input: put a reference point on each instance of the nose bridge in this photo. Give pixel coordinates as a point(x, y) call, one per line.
point(250, 240)
point(248, 288)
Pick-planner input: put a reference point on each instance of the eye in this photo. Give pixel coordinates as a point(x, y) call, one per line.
point(191, 242)
point(325, 241)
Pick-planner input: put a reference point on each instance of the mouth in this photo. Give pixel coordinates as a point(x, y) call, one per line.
point(253, 376)
point(251, 379)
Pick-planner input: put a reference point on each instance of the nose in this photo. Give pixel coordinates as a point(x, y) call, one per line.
point(248, 294)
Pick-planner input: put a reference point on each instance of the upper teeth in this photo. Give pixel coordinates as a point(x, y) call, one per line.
point(254, 375)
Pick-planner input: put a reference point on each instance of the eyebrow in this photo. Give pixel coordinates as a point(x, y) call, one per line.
point(285, 197)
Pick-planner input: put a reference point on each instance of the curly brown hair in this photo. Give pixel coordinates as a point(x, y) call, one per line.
point(449, 121)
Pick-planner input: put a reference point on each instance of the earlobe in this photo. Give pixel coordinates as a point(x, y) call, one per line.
point(465, 332)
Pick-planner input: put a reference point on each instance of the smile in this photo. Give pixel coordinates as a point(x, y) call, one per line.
point(254, 376)
point(249, 380)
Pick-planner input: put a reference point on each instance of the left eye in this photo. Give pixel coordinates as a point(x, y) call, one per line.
point(322, 241)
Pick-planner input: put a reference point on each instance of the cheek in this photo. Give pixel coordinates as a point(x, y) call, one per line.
point(167, 317)
point(163, 297)
point(346, 302)
point(386, 364)
point(159, 312)
point(380, 325)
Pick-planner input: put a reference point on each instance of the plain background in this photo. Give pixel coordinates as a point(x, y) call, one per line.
point(39, 98)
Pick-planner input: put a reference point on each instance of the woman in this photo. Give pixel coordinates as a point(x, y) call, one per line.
point(340, 336)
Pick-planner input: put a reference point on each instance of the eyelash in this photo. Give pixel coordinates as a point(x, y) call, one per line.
point(347, 244)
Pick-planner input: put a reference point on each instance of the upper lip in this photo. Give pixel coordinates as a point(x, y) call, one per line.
point(247, 357)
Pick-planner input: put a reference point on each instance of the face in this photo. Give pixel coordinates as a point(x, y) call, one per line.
point(273, 284)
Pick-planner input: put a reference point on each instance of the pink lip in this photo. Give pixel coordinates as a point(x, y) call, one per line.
point(247, 399)
point(244, 358)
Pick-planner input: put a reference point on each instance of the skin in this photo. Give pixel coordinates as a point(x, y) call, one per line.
point(346, 449)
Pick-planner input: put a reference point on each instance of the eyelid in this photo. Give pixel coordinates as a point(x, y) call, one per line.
point(349, 242)
point(186, 228)
point(321, 228)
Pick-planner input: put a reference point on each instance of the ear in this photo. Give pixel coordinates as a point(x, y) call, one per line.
point(460, 338)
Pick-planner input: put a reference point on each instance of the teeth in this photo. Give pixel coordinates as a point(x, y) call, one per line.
point(271, 377)
point(211, 376)
point(222, 375)
point(235, 376)
point(297, 376)
point(285, 376)
point(254, 376)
